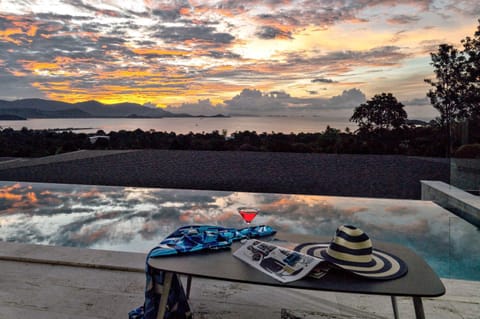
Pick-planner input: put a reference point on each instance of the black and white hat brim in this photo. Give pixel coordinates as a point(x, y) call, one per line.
point(383, 265)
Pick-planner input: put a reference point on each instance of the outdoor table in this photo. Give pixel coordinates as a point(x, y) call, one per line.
point(420, 280)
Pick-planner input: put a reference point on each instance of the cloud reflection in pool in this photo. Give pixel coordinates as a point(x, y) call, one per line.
point(135, 219)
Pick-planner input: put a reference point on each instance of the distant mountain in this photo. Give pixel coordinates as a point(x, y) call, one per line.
point(39, 108)
point(36, 113)
point(9, 117)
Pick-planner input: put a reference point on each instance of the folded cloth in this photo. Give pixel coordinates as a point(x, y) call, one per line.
point(184, 240)
point(177, 306)
point(200, 237)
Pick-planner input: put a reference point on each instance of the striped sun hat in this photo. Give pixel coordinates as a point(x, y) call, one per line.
point(351, 249)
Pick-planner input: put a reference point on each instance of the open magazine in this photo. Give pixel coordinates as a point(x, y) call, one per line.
point(279, 262)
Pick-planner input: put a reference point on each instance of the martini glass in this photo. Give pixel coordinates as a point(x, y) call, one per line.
point(248, 214)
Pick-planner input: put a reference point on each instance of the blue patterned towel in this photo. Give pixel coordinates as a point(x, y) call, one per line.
point(200, 237)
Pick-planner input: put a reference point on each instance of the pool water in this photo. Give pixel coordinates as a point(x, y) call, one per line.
point(136, 219)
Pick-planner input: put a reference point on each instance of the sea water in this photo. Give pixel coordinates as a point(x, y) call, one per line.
point(185, 125)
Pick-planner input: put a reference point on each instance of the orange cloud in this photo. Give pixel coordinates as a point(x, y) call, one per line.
point(152, 51)
point(6, 35)
point(32, 197)
point(90, 194)
point(34, 65)
point(184, 11)
point(10, 196)
point(32, 31)
point(284, 27)
point(10, 188)
point(20, 28)
point(125, 73)
point(89, 236)
point(6, 192)
point(18, 200)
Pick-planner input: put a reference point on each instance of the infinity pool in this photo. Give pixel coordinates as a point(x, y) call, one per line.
point(135, 219)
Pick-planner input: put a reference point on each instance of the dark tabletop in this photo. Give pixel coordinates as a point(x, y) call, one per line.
point(420, 280)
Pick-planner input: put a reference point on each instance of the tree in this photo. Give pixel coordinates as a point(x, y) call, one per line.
point(472, 59)
point(449, 90)
point(456, 91)
point(383, 111)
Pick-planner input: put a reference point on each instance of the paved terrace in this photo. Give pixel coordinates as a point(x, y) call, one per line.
point(62, 282)
point(383, 176)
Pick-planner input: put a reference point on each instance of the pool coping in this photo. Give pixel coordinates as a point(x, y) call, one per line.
point(456, 200)
point(73, 256)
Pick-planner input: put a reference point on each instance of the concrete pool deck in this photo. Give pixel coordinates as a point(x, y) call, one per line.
point(64, 282)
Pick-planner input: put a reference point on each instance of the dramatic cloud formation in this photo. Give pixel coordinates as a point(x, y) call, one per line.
point(254, 102)
point(176, 53)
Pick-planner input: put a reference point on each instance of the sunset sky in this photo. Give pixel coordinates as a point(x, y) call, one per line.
point(259, 57)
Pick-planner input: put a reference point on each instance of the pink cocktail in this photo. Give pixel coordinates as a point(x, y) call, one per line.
point(248, 214)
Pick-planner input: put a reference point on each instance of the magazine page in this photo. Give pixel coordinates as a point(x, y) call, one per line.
point(317, 272)
point(285, 265)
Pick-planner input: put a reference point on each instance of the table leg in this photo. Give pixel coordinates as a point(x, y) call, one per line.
point(395, 307)
point(167, 283)
point(189, 285)
point(418, 305)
